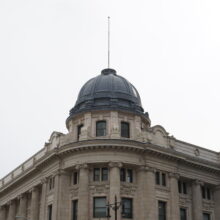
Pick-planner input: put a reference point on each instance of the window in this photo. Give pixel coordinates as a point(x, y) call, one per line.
point(182, 186)
point(206, 193)
point(127, 211)
point(100, 128)
point(160, 178)
point(183, 214)
point(51, 183)
point(50, 212)
point(161, 210)
point(104, 174)
point(75, 178)
point(79, 129)
point(74, 209)
point(126, 175)
point(206, 216)
point(125, 130)
point(99, 207)
point(100, 174)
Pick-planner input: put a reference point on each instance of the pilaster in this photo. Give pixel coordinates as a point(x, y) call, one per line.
point(217, 201)
point(35, 203)
point(174, 196)
point(83, 192)
point(12, 209)
point(43, 198)
point(23, 205)
point(115, 185)
point(2, 213)
point(196, 200)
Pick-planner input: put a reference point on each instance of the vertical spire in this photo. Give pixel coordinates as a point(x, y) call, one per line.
point(108, 42)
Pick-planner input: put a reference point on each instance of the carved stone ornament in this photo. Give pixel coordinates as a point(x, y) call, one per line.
point(115, 164)
point(128, 190)
point(74, 192)
point(197, 152)
point(99, 189)
point(174, 175)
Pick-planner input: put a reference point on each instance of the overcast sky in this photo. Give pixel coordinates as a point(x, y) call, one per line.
point(169, 50)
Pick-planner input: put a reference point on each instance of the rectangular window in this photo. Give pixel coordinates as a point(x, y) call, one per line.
point(161, 210)
point(100, 128)
point(163, 179)
point(99, 207)
point(104, 174)
point(183, 214)
point(206, 193)
point(51, 183)
point(79, 129)
point(129, 176)
point(123, 174)
point(50, 207)
point(125, 130)
point(75, 178)
point(74, 209)
point(182, 186)
point(127, 209)
point(96, 176)
point(206, 216)
point(157, 176)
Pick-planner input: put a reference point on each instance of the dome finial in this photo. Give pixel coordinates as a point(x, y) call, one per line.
point(108, 42)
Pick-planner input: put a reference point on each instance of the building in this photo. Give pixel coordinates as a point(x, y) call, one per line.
point(110, 152)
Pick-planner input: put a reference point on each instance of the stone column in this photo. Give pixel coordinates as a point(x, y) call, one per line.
point(12, 210)
point(196, 200)
point(146, 202)
point(2, 213)
point(23, 205)
point(114, 188)
point(61, 196)
point(174, 197)
point(217, 202)
point(35, 204)
point(83, 193)
point(43, 198)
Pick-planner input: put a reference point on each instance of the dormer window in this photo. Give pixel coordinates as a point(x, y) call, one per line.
point(100, 128)
point(125, 130)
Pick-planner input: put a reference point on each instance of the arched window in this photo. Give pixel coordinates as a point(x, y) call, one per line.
point(100, 128)
point(125, 130)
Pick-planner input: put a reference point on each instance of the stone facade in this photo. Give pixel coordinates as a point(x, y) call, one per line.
point(156, 168)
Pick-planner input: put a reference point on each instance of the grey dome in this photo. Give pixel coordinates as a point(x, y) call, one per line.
point(108, 91)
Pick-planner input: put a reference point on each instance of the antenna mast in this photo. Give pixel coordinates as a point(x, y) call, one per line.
point(108, 42)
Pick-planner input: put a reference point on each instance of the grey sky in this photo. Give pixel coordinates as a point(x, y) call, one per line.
point(169, 50)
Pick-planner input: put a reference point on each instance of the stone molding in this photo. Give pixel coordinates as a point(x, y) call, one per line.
point(197, 182)
point(174, 175)
point(146, 168)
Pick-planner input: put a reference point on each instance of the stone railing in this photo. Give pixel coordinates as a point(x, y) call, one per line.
point(22, 168)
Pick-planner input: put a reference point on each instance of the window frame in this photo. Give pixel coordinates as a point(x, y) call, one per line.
point(79, 130)
point(126, 175)
point(162, 216)
point(185, 210)
point(101, 129)
point(103, 207)
point(49, 211)
point(75, 209)
point(75, 178)
point(124, 213)
point(125, 133)
point(98, 174)
point(208, 214)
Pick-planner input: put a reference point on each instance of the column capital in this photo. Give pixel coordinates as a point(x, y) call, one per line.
point(44, 180)
point(174, 175)
point(146, 168)
point(22, 196)
point(197, 182)
point(115, 164)
point(33, 189)
point(217, 188)
point(81, 166)
point(59, 172)
point(2, 207)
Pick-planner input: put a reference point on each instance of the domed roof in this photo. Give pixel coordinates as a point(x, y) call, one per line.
point(108, 91)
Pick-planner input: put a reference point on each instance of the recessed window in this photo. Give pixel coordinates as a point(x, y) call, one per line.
point(74, 209)
point(206, 192)
point(162, 210)
point(183, 214)
point(182, 186)
point(160, 178)
point(51, 183)
point(125, 130)
point(126, 175)
point(75, 178)
point(206, 216)
point(100, 174)
point(127, 211)
point(79, 130)
point(100, 128)
point(99, 207)
point(49, 209)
